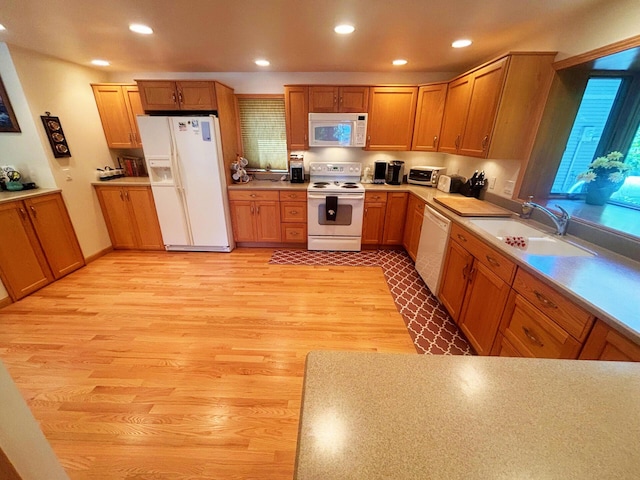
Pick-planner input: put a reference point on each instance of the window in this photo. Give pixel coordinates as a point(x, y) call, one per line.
point(629, 193)
point(263, 132)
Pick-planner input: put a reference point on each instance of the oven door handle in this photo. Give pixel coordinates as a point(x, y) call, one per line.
point(357, 196)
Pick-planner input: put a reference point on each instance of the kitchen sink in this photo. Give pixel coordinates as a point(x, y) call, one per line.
point(539, 242)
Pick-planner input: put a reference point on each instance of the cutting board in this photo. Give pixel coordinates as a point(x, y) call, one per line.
point(472, 207)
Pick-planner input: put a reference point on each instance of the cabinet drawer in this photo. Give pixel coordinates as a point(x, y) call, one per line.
point(505, 349)
point(288, 195)
point(569, 316)
point(293, 212)
point(294, 232)
point(496, 262)
point(253, 195)
point(375, 197)
point(533, 334)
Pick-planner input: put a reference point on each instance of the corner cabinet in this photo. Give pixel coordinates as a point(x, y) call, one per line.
point(167, 95)
point(131, 218)
point(495, 110)
point(37, 244)
point(429, 112)
point(296, 104)
point(392, 111)
point(118, 105)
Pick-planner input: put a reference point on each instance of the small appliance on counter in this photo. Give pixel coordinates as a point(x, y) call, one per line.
point(395, 172)
point(450, 183)
point(296, 168)
point(474, 185)
point(425, 175)
point(379, 172)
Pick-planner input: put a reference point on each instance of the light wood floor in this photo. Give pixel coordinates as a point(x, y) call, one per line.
point(186, 365)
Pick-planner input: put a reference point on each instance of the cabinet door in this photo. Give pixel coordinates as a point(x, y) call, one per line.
point(242, 220)
point(373, 223)
point(395, 218)
point(296, 104)
point(158, 95)
point(426, 132)
point(115, 209)
point(604, 343)
point(457, 266)
point(23, 266)
point(455, 113)
point(323, 99)
point(114, 115)
point(51, 221)
point(194, 95)
point(267, 214)
point(391, 115)
point(354, 99)
point(411, 236)
point(134, 108)
point(484, 303)
point(142, 210)
point(483, 106)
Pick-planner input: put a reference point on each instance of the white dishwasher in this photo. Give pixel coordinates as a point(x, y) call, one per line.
point(431, 249)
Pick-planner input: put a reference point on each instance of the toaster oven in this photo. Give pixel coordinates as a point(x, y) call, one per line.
point(425, 175)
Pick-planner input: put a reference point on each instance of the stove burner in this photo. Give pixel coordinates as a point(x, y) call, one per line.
point(349, 185)
point(317, 185)
point(320, 184)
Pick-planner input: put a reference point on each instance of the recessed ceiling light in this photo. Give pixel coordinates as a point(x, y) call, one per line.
point(263, 63)
point(461, 43)
point(2, 27)
point(399, 61)
point(139, 28)
point(344, 29)
point(100, 63)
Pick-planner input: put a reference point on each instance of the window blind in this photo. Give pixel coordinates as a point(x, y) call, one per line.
point(263, 131)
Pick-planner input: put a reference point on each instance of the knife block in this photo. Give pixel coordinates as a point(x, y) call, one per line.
point(468, 191)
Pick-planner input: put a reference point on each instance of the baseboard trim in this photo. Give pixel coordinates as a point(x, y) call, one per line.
point(96, 256)
point(5, 302)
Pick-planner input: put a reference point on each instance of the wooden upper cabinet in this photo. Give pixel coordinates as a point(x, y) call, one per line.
point(391, 115)
point(166, 95)
point(429, 112)
point(455, 114)
point(118, 105)
point(296, 104)
point(347, 99)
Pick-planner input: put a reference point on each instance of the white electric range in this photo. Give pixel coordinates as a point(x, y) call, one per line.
point(335, 206)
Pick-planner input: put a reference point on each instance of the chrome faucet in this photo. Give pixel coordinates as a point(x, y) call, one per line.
point(561, 222)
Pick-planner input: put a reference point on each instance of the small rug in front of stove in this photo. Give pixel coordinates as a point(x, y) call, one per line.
point(431, 329)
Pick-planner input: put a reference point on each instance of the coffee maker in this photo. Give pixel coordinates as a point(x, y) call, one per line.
point(395, 172)
point(296, 168)
point(379, 172)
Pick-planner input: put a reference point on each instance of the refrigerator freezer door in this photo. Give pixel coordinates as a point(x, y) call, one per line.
point(171, 215)
point(197, 158)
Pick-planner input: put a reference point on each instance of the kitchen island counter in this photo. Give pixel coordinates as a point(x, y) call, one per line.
point(374, 416)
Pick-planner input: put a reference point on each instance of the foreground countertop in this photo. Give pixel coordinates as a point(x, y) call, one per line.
point(375, 416)
point(8, 196)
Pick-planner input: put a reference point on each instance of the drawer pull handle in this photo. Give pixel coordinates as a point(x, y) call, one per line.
point(294, 212)
point(253, 195)
point(532, 337)
point(544, 300)
point(293, 234)
point(492, 261)
point(462, 238)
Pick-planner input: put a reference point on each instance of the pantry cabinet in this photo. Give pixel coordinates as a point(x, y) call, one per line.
point(413, 225)
point(293, 216)
point(494, 111)
point(118, 105)
point(296, 104)
point(37, 244)
point(605, 343)
point(429, 112)
point(131, 218)
point(167, 95)
point(255, 216)
point(391, 115)
point(347, 99)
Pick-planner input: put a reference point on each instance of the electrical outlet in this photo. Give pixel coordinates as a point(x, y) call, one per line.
point(509, 186)
point(492, 183)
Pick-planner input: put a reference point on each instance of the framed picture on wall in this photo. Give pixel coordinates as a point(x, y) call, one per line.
point(8, 121)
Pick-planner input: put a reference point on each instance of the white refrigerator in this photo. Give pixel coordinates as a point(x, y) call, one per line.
point(186, 171)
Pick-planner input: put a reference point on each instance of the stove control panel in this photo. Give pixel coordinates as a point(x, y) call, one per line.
point(335, 169)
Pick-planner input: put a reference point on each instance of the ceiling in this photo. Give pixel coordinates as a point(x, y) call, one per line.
point(295, 35)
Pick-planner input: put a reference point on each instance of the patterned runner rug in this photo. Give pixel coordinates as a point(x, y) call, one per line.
point(432, 330)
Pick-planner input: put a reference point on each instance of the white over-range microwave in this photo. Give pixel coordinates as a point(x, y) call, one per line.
point(337, 129)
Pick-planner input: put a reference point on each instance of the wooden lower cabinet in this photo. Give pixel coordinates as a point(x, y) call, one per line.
point(605, 343)
point(457, 264)
point(131, 218)
point(293, 217)
point(255, 216)
point(413, 225)
point(375, 206)
point(395, 218)
point(37, 244)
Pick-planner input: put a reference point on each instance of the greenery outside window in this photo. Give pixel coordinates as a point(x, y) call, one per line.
point(263, 132)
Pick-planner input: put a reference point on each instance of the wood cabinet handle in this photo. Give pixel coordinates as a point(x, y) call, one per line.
point(121, 196)
point(335, 99)
point(253, 195)
point(492, 261)
point(257, 209)
point(293, 195)
point(293, 234)
point(251, 210)
point(532, 337)
point(126, 195)
point(33, 209)
point(23, 212)
point(173, 98)
point(180, 96)
point(435, 141)
point(294, 212)
point(544, 300)
point(466, 272)
point(462, 238)
point(485, 141)
point(457, 142)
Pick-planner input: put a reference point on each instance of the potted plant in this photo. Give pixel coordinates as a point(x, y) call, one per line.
point(605, 175)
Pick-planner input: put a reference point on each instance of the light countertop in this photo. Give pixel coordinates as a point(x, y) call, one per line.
point(7, 196)
point(129, 181)
point(383, 416)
